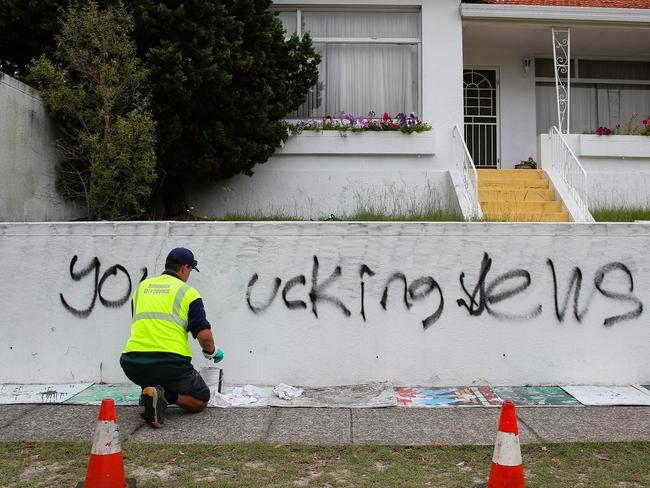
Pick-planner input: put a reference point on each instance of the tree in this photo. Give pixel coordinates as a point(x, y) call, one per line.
point(222, 78)
point(93, 90)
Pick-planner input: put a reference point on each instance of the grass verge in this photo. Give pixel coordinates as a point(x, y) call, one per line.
point(47, 464)
point(621, 214)
point(359, 216)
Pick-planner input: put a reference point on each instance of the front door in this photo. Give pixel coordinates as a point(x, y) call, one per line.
point(480, 101)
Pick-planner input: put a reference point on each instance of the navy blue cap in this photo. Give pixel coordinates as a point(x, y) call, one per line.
point(181, 255)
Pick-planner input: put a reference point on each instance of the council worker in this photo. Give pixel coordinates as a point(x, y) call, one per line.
point(157, 356)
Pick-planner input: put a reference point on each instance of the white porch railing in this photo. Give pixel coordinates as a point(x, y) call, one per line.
point(565, 162)
point(468, 174)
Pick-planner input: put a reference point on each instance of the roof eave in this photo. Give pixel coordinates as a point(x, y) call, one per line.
point(470, 11)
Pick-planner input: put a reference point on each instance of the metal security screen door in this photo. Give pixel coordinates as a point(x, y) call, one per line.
point(481, 116)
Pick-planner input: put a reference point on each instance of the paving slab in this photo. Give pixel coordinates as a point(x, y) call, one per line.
point(331, 426)
point(312, 426)
point(62, 422)
point(426, 426)
point(9, 413)
point(212, 426)
point(587, 424)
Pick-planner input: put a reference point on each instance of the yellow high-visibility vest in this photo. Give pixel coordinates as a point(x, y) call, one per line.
point(160, 312)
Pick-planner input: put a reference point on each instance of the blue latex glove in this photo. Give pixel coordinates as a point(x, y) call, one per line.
point(215, 356)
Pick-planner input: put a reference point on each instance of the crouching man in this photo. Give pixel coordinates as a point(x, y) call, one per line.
point(157, 356)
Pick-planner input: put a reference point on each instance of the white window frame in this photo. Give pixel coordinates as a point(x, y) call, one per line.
point(575, 70)
point(362, 40)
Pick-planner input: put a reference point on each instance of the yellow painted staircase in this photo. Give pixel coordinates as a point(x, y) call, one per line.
point(518, 195)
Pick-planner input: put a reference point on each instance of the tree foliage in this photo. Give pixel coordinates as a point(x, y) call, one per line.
point(93, 89)
point(222, 77)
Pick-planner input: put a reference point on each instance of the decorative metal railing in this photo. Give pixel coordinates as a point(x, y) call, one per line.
point(467, 170)
point(565, 162)
point(562, 64)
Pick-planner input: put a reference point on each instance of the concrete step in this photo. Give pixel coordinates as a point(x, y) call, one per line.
point(527, 194)
point(526, 217)
point(515, 184)
point(517, 207)
point(509, 174)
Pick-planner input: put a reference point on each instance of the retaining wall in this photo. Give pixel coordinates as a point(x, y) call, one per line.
point(28, 158)
point(337, 303)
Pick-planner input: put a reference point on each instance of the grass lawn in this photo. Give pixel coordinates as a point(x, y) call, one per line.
point(623, 214)
point(47, 464)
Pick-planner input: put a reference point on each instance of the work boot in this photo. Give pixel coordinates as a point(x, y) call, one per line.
point(153, 399)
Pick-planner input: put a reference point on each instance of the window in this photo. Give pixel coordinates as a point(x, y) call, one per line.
point(603, 93)
point(369, 60)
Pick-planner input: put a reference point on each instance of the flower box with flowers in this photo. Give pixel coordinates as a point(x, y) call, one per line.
point(353, 134)
point(628, 141)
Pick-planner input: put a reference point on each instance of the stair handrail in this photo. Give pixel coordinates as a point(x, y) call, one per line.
point(467, 170)
point(570, 169)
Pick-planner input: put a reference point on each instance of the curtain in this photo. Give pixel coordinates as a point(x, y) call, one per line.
point(594, 105)
point(357, 78)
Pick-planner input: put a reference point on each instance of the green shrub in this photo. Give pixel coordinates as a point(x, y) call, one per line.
point(93, 90)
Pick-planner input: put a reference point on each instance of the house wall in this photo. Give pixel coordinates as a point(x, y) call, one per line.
point(27, 158)
point(613, 181)
point(313, 186)
point(324, 323)
point(516, 96)
point(317, 175)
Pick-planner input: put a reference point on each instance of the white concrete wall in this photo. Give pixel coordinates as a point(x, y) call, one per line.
point(27, 158)
point(511, 334)
point(516, 96)
point(614, 181)
point(313, 187)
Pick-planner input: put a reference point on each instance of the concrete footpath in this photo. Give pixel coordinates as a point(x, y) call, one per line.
point(331, 426)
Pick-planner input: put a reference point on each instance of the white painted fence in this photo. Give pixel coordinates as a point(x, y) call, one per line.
point(337, 303)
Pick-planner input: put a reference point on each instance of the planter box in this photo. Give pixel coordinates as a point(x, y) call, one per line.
point(614, 146)
point(334, 142)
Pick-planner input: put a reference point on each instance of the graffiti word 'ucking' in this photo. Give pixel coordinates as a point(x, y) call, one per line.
point(483, 297)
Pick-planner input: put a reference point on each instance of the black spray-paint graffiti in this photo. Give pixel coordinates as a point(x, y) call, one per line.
point(417, 290)
point(98, 286)
point(483, 297)
point(487, 296)
point(599, 278)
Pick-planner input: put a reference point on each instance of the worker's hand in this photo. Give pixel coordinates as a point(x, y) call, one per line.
point(216, 355)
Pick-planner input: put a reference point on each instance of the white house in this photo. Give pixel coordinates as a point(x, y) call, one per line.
point(485, 74)
point(487, 68)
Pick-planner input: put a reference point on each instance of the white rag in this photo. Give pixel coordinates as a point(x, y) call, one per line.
point(287, 392)
point(236, 398)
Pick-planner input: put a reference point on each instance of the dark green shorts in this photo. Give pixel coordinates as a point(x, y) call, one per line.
point(171, 371)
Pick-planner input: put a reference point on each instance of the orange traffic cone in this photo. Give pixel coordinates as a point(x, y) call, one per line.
point(105, 468)
point(507, 470)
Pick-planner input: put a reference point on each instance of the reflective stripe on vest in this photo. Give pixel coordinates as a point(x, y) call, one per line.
point(173, 317)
